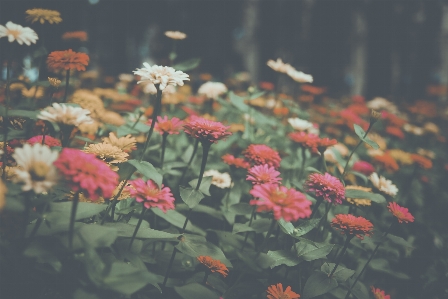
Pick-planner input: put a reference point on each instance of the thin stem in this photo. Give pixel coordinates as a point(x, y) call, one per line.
point(302, 168)
point(354, 150)
point(67, 78)
point(5, 117)
point(154, 119)
point(204, 281)
point(115, 200)
point(38, 222)
point(137, 120)
point(139, 223)
point(265, 241)
point(323, 162)
point(347, 241)
point(205, 150)
point(162, 155)
point(318, 202)
point(250, 223)
point(26, 215)
point(195, 149)
point(72, 219)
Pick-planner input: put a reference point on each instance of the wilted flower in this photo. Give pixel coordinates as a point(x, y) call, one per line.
point(352, 225)
point(237, 162)
point(79, 35)
point(263, 174)
point(206, 130)
point(65, 114)
point(383, 184)
point(110, 154)
point(277, 292)
point(43, 15)
point(213, 265)
point(379, 294)
point(220, 180)
point(279, 66)
point(259, 154)
point(401, 213)
point(23, 35)
point(163, 75)
point(212, 90)
point(126, 143)
point(50, 141)
point(300, 77)
point(325, 186)
point(151, 195)
point(55, 82)
point(175, 34)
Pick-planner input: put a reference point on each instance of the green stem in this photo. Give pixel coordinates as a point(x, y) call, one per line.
point(323, 163)
point(316, 207)
point(347, 241)
point(137, 120)
point(115, 200)
point(265, 241)
point(38, 222)
point(72, 219)
point(154, 119)
point(162, 155)
point(195, 149)
point(138, 226)
point(67, 78)
point(5, 117)
point(205, 150)
point(302, 168)
point(204, 281)
point(250, 223)
point(354, 150)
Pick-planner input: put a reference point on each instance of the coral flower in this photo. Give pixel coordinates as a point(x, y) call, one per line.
point(15, 32)
point(387, 161)
point(206, 130)
point(423, 162)
point(324, 143)
point(395, 131)
point(306, 140)
point(277, 292)
point(259, 154)
point(43, 15)
point(50, 141)
point(79, 35)
point(325, 186)
point(150, 194)
point(401, 213)
point(263, 174)
point(363, 167)
point(352, 225)
point(67, 60)
point(213, 265)
point(285, 203)
point(87, 174)
point(379, 294)
point(167, 126)
point(237, 162)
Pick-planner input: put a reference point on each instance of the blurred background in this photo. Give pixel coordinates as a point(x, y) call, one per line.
point(396, 49)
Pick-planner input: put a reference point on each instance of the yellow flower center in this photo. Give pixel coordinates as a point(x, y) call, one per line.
point(14, 33)
point(279, 198)
point(38, 171)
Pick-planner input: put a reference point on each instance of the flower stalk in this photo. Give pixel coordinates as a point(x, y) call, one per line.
point(358, 145)
point(162, 154)
point(347, 241)
point(5, 117)
point(67, 79)
point(252, 216)
point(71, 227)
point(195, 149)
point(139, 223)
point(154, 119)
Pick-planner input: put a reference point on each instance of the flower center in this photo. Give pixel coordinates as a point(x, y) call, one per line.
point(265, 177)
point(38, 171)
point(284, 296)
point(14, 33)
point(279, 198)
point(151, 192)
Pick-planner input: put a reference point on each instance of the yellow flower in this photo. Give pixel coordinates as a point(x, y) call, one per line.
point(89, 101)
point(89, 128)
point(55, 82)
point(3, 191)
point(378, 139)
point(35, 91)
point(359, 201)
point(42, 15)
point(123, 195)
point(108, 153)
point(112, 118)
point(401, 156)
point(126, 143)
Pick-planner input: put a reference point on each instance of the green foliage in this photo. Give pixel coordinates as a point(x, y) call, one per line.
point(361, 133)
point(148, 170)
point(375, 197)
point(318, 284)
point(187, 65)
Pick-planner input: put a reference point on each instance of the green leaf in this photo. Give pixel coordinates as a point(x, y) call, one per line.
point(202, 209)
point(238, 102)
point(318, 284)
point(241, 208)
point(148, 170)
point(94, 235)
point(190, 196)
point(187, 65)
point(382, 265)
point(304, 227)
point(359, 290)
point(286, 227)
point(45, 253)
point(172, 56)
point(41, 51)
point(284, 257)
point(257, 95)
point(310, 252)
point(359, 131)
point(341, 274)
point(195, 246)
point(126, 230)
point(205, 184)
point(256, 261)
point(371, 142)
point(178, 220)
point(258, 225)
point(125, 170)
point(352, 193)
point(400, 241)
point(23, 113)
point(195, 291)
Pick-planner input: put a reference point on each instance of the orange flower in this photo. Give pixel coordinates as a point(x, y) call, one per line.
point(276, 292)
point(79, 35)
point(352, 225)
point(313, 89)
point(422, 161)
point(67, 60)
point(281, 111)
point(395, 131)
point(213, 265)
point(387, 161)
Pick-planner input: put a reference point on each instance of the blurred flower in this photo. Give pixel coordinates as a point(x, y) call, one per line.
point(67, 60)
point(415, 130)
point(128, 78)
point(383, 184)
point(212, 90)
point(167, 126)
point(313, 90)
point(50, 141)
point(213, 265)
point(426, 153)
point(206, 130)
point(109, 153)
point(300, 77)
point(279, 66)
point(220, 180)
point(306, 140)
point(150, 195)
point(237, 162)
point(112, 118)
point(363, 167)
point(352, 225)
point(263, 174)
point(358, 201)
point(15, 32)
point(285, 203)
point(277, 292)
point(378, 139)
point(43, 15)
point(89, 128)
point(126, 143)
point(323, 143)
point(175, 35)
point(300, 124)
point(423, 162)
point(258, 154)
point(65, 114)
point(35, 167)
point(395, 131)
point(55, 82)
point(349, 118)
point(401, 213)
point(87, 174)
point(401, 156)
point(3, 191)
point(379, 104)
point(431, 128)
point(79, 35)
point(387, 162)
point(325, 186)
point(163, 75)
point(379, 294)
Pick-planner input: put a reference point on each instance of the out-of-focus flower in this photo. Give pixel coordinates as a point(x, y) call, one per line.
point(313, 90)
point(175, 35)
point(112, 118)
point(431, 128)
point(363, 167)
point(359, 201)
point(279, 66)
point(386, 161)
point(206, 130)
point(379, 104)
point(109, 153)
point(306, 140)
point(79, 35)
point(35, 91)
point(15, 32)
point(378, 139)
point(3, 191)
point(213, 265)
point(263, 174)
point(300, 124)
point(401, 213)
point(126, 143)
point(163, 75)
point(89, 128)
point(220, 180)
point(383, 184)
point(401, 156)
point(324, 143)
point(65, 114)
point(349, 118)
point(212, 90)
point(55, 82)
point(50, 141)
point(35, 167)
point(379, 294)
point(325, 186)
point(43, 15)
point(237, 162)
point(277, 292)
point(167, 126)
point(128, 78)
point(423, 162)
point(87, 174)
point(300, 77)
point(395, 131)
point(426, 153)
point(67, 60)
point(258, 154)
point(285, 203)
point(415, 130)
point(352, 225)
point(151, 195)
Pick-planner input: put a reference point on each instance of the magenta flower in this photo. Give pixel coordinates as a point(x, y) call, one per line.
point(50, 141)
point(400, 212)
point(206, 130)
point(263, 174)
point(326, 186)
point(363, 167)
point(149, 193)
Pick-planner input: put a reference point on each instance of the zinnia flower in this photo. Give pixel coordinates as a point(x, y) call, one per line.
point(163, 75)
point(401, 213)
point(150, 195)
point(263, 174)
point(237, 162)
point(65, 114)
point(79, 35)
point(35, 167)
point(167, 126)
point(352, 225)
point(379, 294)
point(206, 130)
point(55, 82)
point(23, 35)
point(359, 201)
point(285, 203)
point(326, 186)
point(220, 180)
point(212, 90)
point(423, 162)
point(126, 143)
point(387, 161)
point(259, 154)
point(363, 167)
point(67, 60)
point(300, 124)
point(324, 143)
point(383, 184)
point(213, 265)
point(50, 141)
point(175, 35)
point(306, 140)
point(87, 174)
point(279, 66)
point(109, 153)
point(300, 77)
point(277, 292)
point(43, 15)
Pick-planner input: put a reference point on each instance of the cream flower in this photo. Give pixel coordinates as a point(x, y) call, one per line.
point(300, 124)
point(279, 66)
point(109, 153)
point(126, 77)
point(430, 127)
point(175, 34)
point(418, 131)
point(379, 104)
point(220, 180)
point(65, 114)
point(23, 35)
point(126, 143)
point(383, 184)
point(35, 167)
point(163, 75)
point(212, 90)
point(300, 77)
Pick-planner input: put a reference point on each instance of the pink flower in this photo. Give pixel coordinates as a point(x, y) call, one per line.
point(363, 167)
point(206, 130)
point(259, 154)
point(306, 140)
point(150, 194)
point(263, 174)
point(285, 203)
point(401, 213)
point(326, 186)
point(50, 141)
point(87, 174)
point(379, 294)
point(167, 126)
point(237, 162)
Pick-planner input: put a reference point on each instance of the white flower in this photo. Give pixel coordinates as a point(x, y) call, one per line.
point(126, 77)
point(35, 167)
point(300, 77)
point(175, 34)
point(413, 129)
point(65, 114)
point(163, 75)
point(20, 34)
point(300, 124)
point(383, 184)
point(220, 180)
point(271, 103)
point(212, 90)
point(280, 66)
point(379, 104)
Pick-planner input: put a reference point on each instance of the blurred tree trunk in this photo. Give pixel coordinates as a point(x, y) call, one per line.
point(443, 71)
point(358, 50)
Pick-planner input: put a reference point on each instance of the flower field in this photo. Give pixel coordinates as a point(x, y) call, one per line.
point(159, 183)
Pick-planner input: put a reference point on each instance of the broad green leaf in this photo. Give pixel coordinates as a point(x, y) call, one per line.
point(304, 227)
point(241, 208)
point(257, 95)
point(195, 246)
point(359, 131)
point(286, 227)
point(205, 184)
point(202, 209)
point(370, 142)
point(195, 291)
point(341, 274)
point(382, 265)
point(187, 65)
point(125, 130)
point(284, 257)
point(359, 290)
point(148, 170)
point(83, 294)
point(126, 230)
point(45, 253)
point(375, 197)
point(190, 196)
point(258, 225)
point(238, 102)
point(318, 284)
point(24, 113)
point(360, 175)
point(400, 241)
point(310, 252)
point(241, 227)
point(94, 235)
point(178, 220)
point(256, 261)
point(125, 170)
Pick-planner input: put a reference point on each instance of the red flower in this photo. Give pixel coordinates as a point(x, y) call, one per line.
point(167, 126)
point(213, 265)
point(395, 131)
point(277, 292)
point(50, 141)
point(401, 213)
point(379, 294)
point(352, 225)
point(363, 167)
point(263, 174)
point(422, 161)
point(326, 186)
point(285, 203)
point(309, 141)
point(150, 194)
point(324, 143)
point(258, 154)
point(67, 60)
point(266, 85)
point(79, 35)
point(87, 174)
point(206, 130)
point(237, 162)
